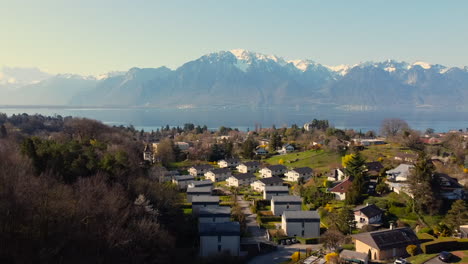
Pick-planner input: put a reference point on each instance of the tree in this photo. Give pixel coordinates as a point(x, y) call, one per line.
point(422, 184)
point(3, 131)
point(342, 220)
point(457, 215)
point(165, 153)
point(429, 131)
point(392, 127)
point(248, 148)
point(332, 239)
point(412, 250)
point(275, 141)
point(355, 168)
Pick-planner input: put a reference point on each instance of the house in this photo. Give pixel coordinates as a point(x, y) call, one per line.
point(183, 181)
point(341, 188)
point(249, 166)
point(336, 175)
point(204, 201)
point(373, 168)
point(148, 154)
point(287, 148)
point(272, 170)
point(261, 151)
point(199, 170)
point(163, 175)
point(197, 191)
point(216, 175)
point(400, 187)
point(353, 257)
point(400, 173)
point(386, 244)
point(228, 163)
point(279, 204)
point(219, 214)
point(449, 187)
point(204, 183)
point(406, 157)
point(368, 215)
point(299, 174)
point(271, 191)
point(243, 179)
point(370, 142)
point(219, 238)
point(463, 231)
point(183, 146)
point(260, 185)
point(301, 223)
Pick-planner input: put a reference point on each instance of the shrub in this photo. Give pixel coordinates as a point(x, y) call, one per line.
point(295, 256)
point(309, 241)
point(332, 257)
point(412, 250)
point(349, 246)
point(444, 245)
point(425, 237)
point(426, 230)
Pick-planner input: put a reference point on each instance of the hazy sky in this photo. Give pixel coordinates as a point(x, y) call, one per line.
point(97, 36)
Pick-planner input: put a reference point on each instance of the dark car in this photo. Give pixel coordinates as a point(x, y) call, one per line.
point(445, 256)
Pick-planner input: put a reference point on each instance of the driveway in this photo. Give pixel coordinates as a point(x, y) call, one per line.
point(257, 234)
point(282, 254)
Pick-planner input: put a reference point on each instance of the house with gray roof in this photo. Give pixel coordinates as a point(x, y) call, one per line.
point(260, 185)
point(198, 191)
point(219, 238)
point(219, 214)
point(368, 214)
point(199, 170)
point(271, 191)
point(228, 163)
point(299, 174)
point(204, 201)
point(279, 204)
point(400, 173)
point(243, 179)
point(272, 170)
point(203, 183)
point(301, 223)
point(249, 166)
point(183, 181)
point(216, 175)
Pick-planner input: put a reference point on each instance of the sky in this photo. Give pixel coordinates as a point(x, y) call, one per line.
point(92, 37)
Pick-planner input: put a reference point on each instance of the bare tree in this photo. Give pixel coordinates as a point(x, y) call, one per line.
point(332, 239)
point(392, 127)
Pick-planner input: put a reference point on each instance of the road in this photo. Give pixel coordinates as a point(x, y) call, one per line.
point(282, 254)
point(257, 234)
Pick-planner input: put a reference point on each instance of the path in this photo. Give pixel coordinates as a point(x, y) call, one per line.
point(282, 254)
point(257, 234)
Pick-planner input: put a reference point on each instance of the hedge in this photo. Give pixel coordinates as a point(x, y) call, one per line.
point(438, 245)
point(425, 237)
point(309, 241)
point(268, 219)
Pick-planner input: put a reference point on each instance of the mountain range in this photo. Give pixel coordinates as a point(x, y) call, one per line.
point(244, 78)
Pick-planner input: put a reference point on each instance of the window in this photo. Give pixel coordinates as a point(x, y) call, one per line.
point(287, 206)
point(302, 233)
point(219, 239)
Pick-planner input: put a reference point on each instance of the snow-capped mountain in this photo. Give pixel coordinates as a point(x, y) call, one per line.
point(242, 77)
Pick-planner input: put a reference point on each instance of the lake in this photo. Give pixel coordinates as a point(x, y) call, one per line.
point(245, 118)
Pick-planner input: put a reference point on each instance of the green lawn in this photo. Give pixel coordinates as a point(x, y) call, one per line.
point(320, 160)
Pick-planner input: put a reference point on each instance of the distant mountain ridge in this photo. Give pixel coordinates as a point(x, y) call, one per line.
point(241, 77)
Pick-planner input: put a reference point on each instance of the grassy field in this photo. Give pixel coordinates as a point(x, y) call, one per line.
point(320, 160)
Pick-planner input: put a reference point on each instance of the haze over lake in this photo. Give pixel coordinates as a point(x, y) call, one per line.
point(247, 118)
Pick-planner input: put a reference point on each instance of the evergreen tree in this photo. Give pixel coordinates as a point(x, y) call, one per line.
point(275, 141)
point(457, 215)
point(422, 185)
point(355, 168)
point(248, 148)
point(3, 131)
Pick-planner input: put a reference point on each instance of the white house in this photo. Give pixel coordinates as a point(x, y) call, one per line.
point(287, 148)
point(249, 166)
point(301, 223)
point(197, 191)
point(336, 175)
point(341, 188)
point(299, 174)
point(183, 181)
point(243, 179)
point(148, 154)
point(204, 201)
point(228, 163)
point(219, 238)
point(199, 170)
point(182, 145)
point(367, 215)
point(260, 185)
point(219, 214)
point(270, 191)
point(272, 170)
point(279, 204)
point(400, 173)
point(216, 175)
point(204, 183)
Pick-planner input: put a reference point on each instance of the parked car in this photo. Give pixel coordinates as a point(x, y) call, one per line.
point(445, 256)
point(400, 261)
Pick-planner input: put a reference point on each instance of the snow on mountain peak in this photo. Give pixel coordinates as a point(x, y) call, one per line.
point(341, 69)
point(302, 64)
point(423, 64)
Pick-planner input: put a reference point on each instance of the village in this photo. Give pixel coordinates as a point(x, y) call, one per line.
point(297, 201)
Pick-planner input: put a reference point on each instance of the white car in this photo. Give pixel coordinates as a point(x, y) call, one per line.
point(400, 261)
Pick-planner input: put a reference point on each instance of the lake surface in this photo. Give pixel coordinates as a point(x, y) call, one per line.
point(247, 118)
